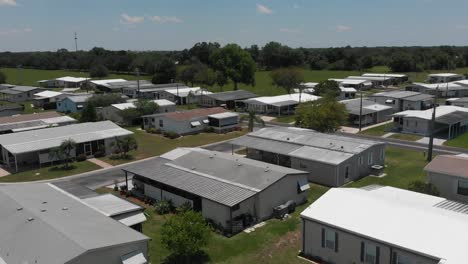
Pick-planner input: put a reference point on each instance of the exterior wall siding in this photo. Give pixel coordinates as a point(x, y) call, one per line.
point(217, 212)
point(447, 186)
point(349, 247)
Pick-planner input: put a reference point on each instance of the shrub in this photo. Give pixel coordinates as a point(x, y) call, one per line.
point(99, 154)
point(171, 135)
point(208, 129)
point(153, 131)
point(184, 207)
point(163, 207)
point(81, 157)
point(423, 187)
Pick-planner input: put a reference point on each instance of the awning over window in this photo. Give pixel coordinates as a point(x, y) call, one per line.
point(195, 123)
point(135, 257)
point(133, 220)
point(206, 121)
point(389, 101)
point(303, 185)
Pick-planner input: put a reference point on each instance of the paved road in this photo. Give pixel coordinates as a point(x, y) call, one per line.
point(104, 177)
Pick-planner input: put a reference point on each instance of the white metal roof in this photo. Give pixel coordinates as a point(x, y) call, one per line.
point(131, 104)
point(103, 82)
point(427, 114)
point(444, 75)
point(48, 94)
point(47, 138)
point(134, 258)
point(224, 115)
point(72, 79)
point(350, 81)
point(371, 78)
point(348, 89)
point(398, 217)
point(309, 84)
point(441, 86)
point(385, 75)
point(133, 219)
point(283, 98)
point(184, 92)
point(111, 205)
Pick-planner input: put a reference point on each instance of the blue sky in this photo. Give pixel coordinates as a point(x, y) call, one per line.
point(175, 24)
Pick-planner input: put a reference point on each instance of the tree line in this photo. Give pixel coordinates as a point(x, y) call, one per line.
point(271, 56)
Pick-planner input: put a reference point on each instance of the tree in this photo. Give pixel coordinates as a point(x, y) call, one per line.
point(2, 77)
point(142, 107)
point(206, 77)
point(288, 78)
point(64, 151)
point(423, 187)
point(103, 100)
point(324, 115)
point(185, 234)
point(235, 63)
point(328, 87)
point(221, 80)
point(88, 114)
point(123, 145)
point(165, 71)
point(98, 71)
point(252, 118)
point(402, 62)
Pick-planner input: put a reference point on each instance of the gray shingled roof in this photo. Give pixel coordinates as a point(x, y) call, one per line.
point(53, 235)
point(220, 177)
point(232, 95)
point(36, 140)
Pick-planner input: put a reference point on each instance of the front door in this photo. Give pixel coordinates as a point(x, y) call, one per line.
point(88, 150)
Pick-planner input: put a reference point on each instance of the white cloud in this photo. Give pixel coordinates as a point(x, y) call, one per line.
point(290, 30)
point(126, 19)
point(264, 9)
point(166, 19)
point(14, 31)
point(343, 28)
point(8, 3)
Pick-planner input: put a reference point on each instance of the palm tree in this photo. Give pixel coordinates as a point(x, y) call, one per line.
point(252, 119)
point(65, 149)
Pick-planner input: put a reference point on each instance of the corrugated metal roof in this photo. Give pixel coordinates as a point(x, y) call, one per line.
point(282, 100)
point(221, 177)
point(353, 106)
point(52, 226)
point(232, 95)
point(35, 140)
point(224, 115)
point(321, 155)
point(48, 94)
point(409, 220)
point(111, 205)
point(279, 147)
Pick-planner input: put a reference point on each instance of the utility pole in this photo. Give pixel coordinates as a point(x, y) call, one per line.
point(76, 43)
point(431, 135)
point(137, 71)
point(360, 109)
point(20, 79)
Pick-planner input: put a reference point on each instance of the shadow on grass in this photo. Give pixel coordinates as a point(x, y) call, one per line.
point(126, 157)
point(198, 258)
point(63, 168)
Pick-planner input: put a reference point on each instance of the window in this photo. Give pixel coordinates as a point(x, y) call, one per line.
point(415, 123)
point(462, 187)
point(360, 160)
point(382, 154)
point(161, 123)
point(330, 239)
point(370, 158)
point(370, 254)
point(346, 172)
point(402, 259)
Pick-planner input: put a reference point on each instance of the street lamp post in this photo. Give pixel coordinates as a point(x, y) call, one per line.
point(432, 125)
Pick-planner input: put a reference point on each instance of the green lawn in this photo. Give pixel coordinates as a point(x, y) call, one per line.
point(279, 241)
point(285, 119)
point(50, 172)
point(403, 167)
point(263, 82)
point(377, 131)
point(408, 137)
point(459, 142)
point(150, 145)
point(256, 247)
point(32, 76)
